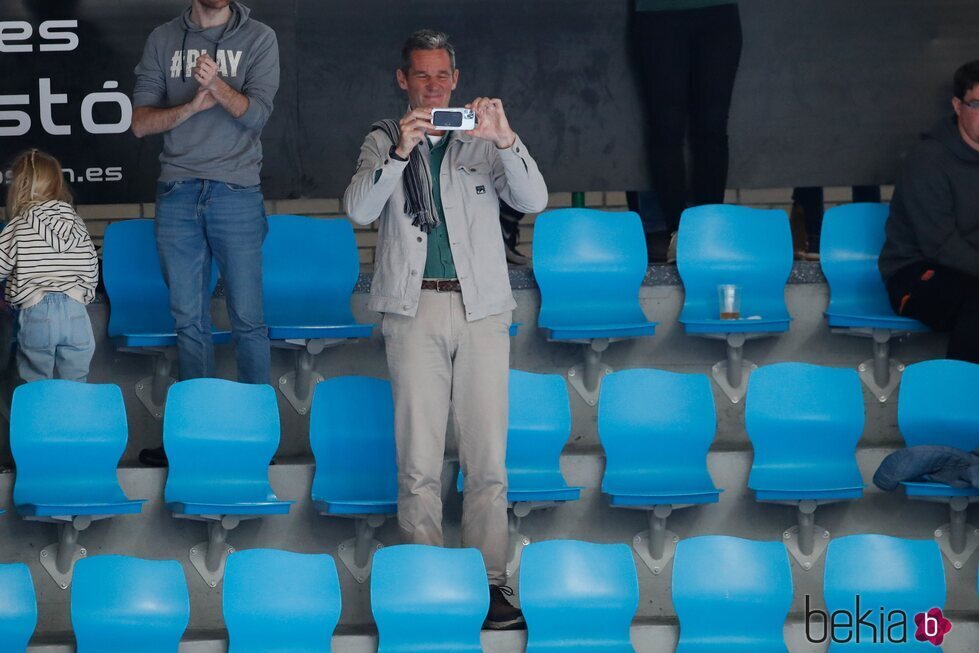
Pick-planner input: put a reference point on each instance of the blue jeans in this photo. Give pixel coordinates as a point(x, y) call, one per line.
point(54, 334)
point(195, 220)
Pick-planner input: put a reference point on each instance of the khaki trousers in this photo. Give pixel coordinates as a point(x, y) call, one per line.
point(435, 359)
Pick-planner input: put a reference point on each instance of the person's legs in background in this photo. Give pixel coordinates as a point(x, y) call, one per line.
point(806, 220)
point(510, 227)
point(715, 55)
point(807, 216)
point(662, 48)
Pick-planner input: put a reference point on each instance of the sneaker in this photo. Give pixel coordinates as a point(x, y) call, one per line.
point(502, 615)
point(153, 457)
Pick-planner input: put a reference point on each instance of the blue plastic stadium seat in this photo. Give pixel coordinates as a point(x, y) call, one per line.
point(538, 428)
point(309, 268)
point(18, 608)
point(804, 422)
point(426, 598)
point(219, 437)
point(936, 405)
point(886, 573)
point(589, 265)
point(723, 244)
point(852, 237)
point(656, 428)
point(280, 601)
point(731, 595)
point(127, 604)
point(578, 596)
point(140, 306)
point(67, 438)
point(351, 433)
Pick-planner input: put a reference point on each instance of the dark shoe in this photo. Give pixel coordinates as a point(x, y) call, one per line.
point(153, 457)
point(502, 615)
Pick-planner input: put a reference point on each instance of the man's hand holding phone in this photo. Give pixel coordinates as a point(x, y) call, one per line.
point(491, 122)
point(413, 126)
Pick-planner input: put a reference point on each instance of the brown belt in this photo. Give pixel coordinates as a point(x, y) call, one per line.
point(442, 285)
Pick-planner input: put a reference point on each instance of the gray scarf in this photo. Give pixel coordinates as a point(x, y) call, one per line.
point(417, 180)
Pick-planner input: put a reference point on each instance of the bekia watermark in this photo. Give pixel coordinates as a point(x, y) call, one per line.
point(876, 625)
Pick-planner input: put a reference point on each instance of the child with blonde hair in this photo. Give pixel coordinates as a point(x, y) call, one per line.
point(48, 255)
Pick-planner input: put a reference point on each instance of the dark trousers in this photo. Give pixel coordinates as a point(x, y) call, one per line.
point(810, 198)
point(688, 60)
point(945, 300)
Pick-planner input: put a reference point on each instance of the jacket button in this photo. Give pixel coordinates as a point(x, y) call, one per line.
point(419, 239)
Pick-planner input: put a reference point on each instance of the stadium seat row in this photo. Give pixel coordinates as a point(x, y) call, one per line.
point(731, 596)
point(656, 428)
point(589, 265)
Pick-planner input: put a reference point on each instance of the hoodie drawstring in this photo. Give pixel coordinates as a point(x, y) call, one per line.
point(183, 64)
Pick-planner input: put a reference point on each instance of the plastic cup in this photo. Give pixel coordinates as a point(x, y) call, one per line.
point(729, 301)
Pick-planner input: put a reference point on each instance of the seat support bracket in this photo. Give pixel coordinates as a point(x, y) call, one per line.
point(731, 375)
point(881, 374)
point(957, 539)
point(586, 378)
point(656, 546)
point(59, 559)
point(357, 553)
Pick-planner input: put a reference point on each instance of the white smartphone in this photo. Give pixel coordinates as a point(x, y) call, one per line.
point(462, 119)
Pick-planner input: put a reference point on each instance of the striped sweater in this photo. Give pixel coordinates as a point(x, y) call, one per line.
point(47, 249)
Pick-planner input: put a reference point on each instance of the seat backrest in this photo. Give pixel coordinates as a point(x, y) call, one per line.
point(655, 426)
point(883, 572)
point(851, 240)
point(578, 595)
point(67, 438)
point(798, 414)
point(427, 598)
point(589, 265)
point(936, 404)
point(730, 592)
point(724, 244)
point(280, 601)
point(127, 604)
point(134, 282)
point(18, 607)
point(351, 433)
point(309, 270)
point(220, 437)
point(539, 422)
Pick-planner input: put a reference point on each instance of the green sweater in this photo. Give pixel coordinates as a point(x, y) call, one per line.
point(674, 5)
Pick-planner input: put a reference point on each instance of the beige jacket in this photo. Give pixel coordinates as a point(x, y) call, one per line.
point(475, 175)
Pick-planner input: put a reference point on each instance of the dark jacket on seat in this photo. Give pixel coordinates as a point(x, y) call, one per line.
point(946, 465)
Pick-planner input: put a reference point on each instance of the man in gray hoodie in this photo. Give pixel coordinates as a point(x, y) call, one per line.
point(930, 259)
point(206, 81)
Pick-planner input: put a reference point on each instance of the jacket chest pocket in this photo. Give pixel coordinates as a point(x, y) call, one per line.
point(477, 184)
